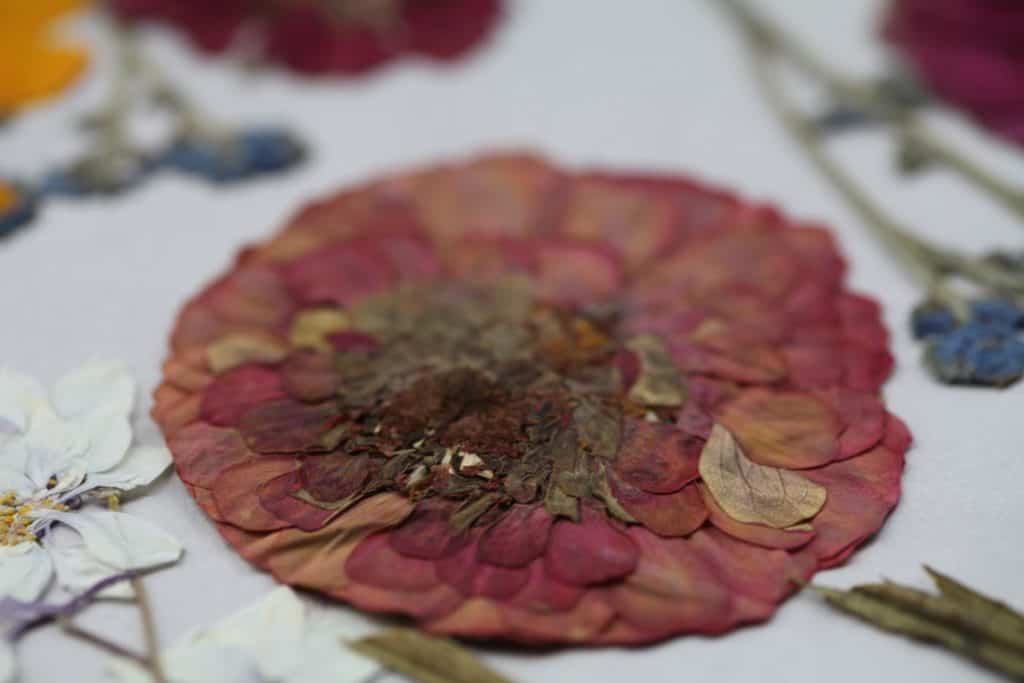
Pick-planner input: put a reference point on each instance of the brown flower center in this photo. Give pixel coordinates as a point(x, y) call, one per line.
point(486, 397)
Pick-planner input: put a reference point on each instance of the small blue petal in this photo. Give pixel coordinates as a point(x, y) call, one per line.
point(977, 353)
point(998, 312)
point(931, 318)
point(242, 156)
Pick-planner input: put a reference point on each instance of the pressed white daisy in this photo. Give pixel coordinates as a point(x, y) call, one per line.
point(63, 453)
point(277, 640)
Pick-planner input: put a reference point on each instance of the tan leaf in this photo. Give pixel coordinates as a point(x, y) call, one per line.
point(960, 619)
point(233, 350)
point(311, 327)
point(659, 383)
point(753, 493)
point(426, 659)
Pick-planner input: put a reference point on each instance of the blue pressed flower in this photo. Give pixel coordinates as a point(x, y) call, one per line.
point(931, 318)
point(998, 312)
point(17, 206)
point(100, 174)
point(977, 353)
point(241, 156)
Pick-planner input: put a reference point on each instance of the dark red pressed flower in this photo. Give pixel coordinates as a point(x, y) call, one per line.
point(969, 53)
point(324, 36)
point(510, 401)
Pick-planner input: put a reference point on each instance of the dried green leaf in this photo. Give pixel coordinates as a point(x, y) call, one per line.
point(426, 659)
point(659, 383)
point(753, 493)
point(960, 619)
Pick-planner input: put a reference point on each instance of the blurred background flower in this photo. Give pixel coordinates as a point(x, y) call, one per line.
point(969, 53)
point(325, 36)
point(34, 62)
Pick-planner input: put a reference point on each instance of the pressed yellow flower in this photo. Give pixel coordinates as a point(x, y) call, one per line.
point(33, 62)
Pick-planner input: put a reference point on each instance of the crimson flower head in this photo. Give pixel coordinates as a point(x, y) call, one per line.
point(325, 36)
point(970, 53)
point(510, 401)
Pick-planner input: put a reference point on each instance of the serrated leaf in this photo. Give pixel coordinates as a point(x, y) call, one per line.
point(426, 659)
point(753, 493)
point(960, 618)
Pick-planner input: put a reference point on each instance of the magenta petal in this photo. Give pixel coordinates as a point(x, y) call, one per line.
point(589, 551)
point(427, 533)
point(375, 562)
point(516, 539)
point(237, 391)
point(276, 497)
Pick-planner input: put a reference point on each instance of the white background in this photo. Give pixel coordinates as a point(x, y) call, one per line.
point(649, 84)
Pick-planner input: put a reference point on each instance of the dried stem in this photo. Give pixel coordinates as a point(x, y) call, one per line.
point(930, 264)
point(149, 631)
point(99, 641)
point(871, 101)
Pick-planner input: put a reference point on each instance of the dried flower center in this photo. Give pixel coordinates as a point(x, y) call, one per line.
point(18, 514)
point(483, 398)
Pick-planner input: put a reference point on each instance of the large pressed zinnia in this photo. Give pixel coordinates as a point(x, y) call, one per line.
point(515, 402)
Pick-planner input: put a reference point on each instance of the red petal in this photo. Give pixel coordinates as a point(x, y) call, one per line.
point(339, 274)
point(377, 563)
point(285, 425)
point(428, 533)
point(446, 29)
point(783, 429)
point(590, 551)
point(861, 493)
point(275, 497)
point(237, 391)
point(310, 376)
point(518, 538)
point(235, 493)
point(571, 273)
point(863, 416)
point(657, 458)
point(542, 593)
point(202, 451)
point(672, 514)
point(252, 296)
point(336, 477)
point(897, 437)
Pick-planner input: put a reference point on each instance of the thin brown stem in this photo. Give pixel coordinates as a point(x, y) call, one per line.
point(99, 641)
point(871, 101)
point(149, 631)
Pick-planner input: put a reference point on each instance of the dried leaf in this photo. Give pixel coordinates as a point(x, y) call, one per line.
point(239, 349)
point(311, 328)
point(659, 382)
point(426, 659)
point(960, 618)
point(753, 493)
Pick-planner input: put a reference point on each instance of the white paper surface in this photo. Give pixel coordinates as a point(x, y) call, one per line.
point(655, 84)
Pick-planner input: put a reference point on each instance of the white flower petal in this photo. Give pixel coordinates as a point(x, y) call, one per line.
point(17, 394)
point(97, 386)
point(271, 630)
point(53, 446)
point(8, 663)
point(122, 541)
point(326, 659)
point(78, 570)
point(110, 435)
point(211, 663)
point(141, 466)
point(14, 479)
point(25, 571)
point(121, 670)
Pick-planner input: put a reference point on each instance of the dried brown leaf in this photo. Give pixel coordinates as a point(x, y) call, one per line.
point(960, 619)
point(659, 383)
point(426, 659)
point(753, 493)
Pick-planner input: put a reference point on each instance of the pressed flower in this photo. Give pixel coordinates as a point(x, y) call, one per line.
point(238, 156)
point(59, 452)
point(511, 401)
point(968, 53)
point(17, 206)
point(33, 63)
point(322, 36)
point(277, 639)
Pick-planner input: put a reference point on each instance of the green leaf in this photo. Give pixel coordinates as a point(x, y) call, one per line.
point(959, 618)
point(426, 659)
